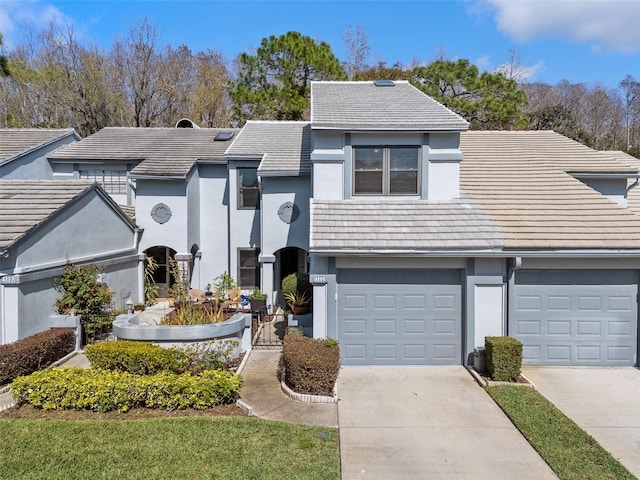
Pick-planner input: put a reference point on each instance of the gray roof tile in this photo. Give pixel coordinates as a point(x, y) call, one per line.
point(364, 106)
point(159, 151)
point(283, 147)
point(19, 141)
point(414, 225)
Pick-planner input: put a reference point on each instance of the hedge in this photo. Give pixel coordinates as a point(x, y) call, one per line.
point(138, 358)
point(35, 352)
point(504, 358)
point(311, 365)
point(103, 390)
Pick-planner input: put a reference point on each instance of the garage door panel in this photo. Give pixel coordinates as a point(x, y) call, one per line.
point(406, 323)
point(565, 323)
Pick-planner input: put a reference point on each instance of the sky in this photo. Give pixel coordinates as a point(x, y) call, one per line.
point(582, 41)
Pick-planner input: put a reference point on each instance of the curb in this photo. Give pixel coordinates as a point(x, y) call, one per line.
point(307, 398)
point(483, 383)
point(245, 406)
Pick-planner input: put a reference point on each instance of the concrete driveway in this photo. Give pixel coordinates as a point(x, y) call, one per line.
point(427, 422)
point(605, 402)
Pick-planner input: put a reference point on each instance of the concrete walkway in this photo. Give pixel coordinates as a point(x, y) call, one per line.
point(427, 422)
point(262, 392)
point(605, 402)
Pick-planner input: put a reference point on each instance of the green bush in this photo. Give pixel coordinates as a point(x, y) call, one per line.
point(504, 358)
point(35, 352)
point(297, 283)
point(311, 365)
point(104, 390)
point(138, 358)
point(80, 290)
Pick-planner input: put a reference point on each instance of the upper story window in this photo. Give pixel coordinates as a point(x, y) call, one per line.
point(113, 181)
point(248, 189)
point(386, 170)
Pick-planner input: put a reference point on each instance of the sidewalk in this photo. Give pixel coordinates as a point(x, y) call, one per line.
point(262, 392)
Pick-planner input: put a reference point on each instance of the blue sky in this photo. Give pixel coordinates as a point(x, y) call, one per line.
point(590, 41)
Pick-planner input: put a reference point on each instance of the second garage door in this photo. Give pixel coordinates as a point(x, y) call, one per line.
point(578, 317)
point(400, 317)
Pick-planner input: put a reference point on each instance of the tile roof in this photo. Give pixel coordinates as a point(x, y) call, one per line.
point(407, 225)
point(284, 147)
point(521, 180)
point(160, 151)
point(364, 106)
point(18, 141)
point(27, 203)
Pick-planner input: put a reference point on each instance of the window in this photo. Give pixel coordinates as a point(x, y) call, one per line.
point(248, 189)
point(113, 181)
point(385, 170)
point(248, 268)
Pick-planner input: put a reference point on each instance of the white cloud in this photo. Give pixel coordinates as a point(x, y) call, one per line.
point(15, 14)
point(609, 25)
point(520, 73)
point(483, 62)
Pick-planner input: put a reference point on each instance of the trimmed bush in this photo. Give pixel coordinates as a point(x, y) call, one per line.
point(35, 352)
point(504, 358)
point(138, 358)
point(103, 390)
point(297, 283)
point(311, 365)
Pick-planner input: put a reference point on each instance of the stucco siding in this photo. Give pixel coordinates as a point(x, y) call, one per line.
point(86, 228)
point(34, 165)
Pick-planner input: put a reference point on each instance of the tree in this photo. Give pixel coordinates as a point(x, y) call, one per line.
point(4, 63)
point(356, 43)
point(631, 103)
point(382, 71)
point(487, 100)
point(209, 97)
point(558, 119)
point(80, 290)
point(275, 82)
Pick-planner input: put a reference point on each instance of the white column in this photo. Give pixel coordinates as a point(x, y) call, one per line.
point(266, 277)
point(10, 313)
point(319, 306)
point(141, 268)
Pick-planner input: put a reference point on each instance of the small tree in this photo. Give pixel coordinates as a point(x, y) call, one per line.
point(81, 291)
point(150, 287)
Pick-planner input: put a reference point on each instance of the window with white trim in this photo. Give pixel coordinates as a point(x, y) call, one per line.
point(386, 170)
point(112, 181)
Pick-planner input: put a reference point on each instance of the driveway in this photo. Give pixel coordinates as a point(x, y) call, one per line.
point(605, 402)
point(427, 422)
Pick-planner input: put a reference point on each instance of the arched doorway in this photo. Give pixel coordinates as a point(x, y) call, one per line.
point(290, 260)
point(162, 275)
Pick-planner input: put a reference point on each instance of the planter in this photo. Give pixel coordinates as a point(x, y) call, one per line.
point(299, 309)
point(257, 305)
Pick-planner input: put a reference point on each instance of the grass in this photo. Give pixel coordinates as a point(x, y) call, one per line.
point(178, 448)
point(570, 451)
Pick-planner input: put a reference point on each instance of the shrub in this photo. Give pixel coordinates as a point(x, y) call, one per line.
point(138, 358)
point(80, 290)
point(35, 352)
point(504, 358)
point(311, 365)
point(297, 283)
point(103, 390)
point(142, 358)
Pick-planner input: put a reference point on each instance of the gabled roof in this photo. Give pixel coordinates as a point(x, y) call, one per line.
point(15, 142)
point(523, 180)
point(365, 106)
point(25, 204)
point(163, 152)
point(284, 148)
point(407, 225)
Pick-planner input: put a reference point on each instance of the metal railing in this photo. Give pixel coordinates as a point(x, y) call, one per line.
point(96, 327)
point(268, 330)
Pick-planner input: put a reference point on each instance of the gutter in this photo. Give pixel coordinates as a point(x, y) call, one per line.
point(495, 253)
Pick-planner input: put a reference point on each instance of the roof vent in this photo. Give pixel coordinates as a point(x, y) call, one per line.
point(186, 123)
point(223, 136)
point(384, 83)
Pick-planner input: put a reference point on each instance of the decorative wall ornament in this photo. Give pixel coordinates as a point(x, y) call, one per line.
point(161, 213)
point(288, 212)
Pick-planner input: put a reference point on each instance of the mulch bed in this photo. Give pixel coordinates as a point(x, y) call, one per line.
point(27, 411)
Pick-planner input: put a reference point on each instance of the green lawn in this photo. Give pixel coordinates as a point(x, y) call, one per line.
point(176, 448)
point(569, 451)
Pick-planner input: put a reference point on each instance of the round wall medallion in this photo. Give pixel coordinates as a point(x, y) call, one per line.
point(161, 213)
point(288, 212)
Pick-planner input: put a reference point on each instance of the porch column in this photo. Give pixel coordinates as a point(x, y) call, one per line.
point(9, 312)
point(319, 283)
point(141, 272)
point(266, 277)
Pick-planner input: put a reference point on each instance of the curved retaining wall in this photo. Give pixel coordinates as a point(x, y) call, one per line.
point(127, 327)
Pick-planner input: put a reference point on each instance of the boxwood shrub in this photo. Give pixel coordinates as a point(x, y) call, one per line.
point(311, 365)
point(138, 358)
point(504, 358)
point(104, 390)
point(35, 352)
